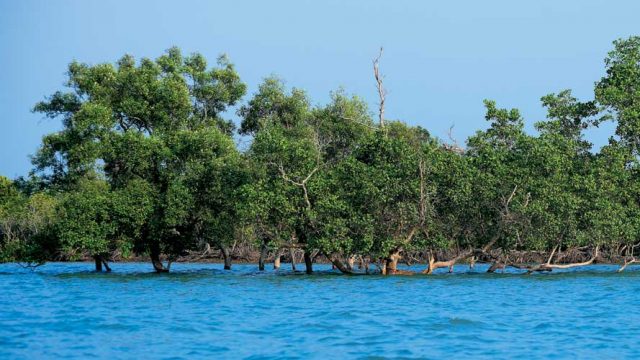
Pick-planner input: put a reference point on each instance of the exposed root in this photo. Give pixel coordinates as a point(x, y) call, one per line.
point(548, 266)
point(433, 264)
point(628, 261)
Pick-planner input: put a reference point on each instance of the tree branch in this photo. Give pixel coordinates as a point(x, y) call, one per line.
point(382, 93)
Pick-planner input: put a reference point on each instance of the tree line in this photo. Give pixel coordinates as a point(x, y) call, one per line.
point(146, 164)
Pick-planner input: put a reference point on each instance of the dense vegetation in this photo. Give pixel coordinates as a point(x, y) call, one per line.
point(146, 164)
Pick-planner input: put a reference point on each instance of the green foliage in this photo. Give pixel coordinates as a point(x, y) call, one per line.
point(26, 224)
point(85, 223)
point(145, 162)
point(154, 131)
point(272, 105)
point(619, 90)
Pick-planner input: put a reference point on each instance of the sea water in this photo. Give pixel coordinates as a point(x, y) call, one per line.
point(64, 310)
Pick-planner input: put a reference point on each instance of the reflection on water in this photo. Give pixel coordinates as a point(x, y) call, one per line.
point(199, 310)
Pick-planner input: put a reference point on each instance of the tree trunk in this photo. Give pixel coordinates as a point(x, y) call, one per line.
point(495, 266)
point(391, 263)
point(263, 256)
point(364, 264)
point(293, 259)
point(106, 264)
point(308, 262)
point(292, 252)
point(226, 256)
point(98, 261)
point(335, 260)
point(351, 261)
point(158, 266)
point(276, 260)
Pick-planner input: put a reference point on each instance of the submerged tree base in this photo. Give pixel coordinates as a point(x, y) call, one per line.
point(528, 262)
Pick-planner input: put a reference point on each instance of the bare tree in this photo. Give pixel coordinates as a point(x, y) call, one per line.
point(382, 92)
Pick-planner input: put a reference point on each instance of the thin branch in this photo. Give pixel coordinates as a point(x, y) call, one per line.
point(450, 135)
point(506, 205)
point(302, 184)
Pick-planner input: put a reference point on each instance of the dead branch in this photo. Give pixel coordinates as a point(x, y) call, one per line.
point(382, 93)
point(450, 135)
point(433, 264)
point(548, 266)
point(453, 146)
point(568, 266)
point(627, 261)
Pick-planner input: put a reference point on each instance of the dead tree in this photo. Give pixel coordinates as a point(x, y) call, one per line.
point(453, 146)
point(382, 92)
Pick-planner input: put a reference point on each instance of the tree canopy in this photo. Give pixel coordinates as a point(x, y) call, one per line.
point(146, 163)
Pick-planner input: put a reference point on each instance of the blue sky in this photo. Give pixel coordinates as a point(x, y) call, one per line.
point(441, 58)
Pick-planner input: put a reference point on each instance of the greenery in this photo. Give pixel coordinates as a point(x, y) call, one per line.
point(146, 164)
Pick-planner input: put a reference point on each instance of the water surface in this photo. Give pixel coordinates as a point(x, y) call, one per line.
point(63, 310)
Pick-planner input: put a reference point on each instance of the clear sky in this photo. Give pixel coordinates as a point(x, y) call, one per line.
point(441, 58)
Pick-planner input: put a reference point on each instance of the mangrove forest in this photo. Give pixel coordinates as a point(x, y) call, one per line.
point(148, 164)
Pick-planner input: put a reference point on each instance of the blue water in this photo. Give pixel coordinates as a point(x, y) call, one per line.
point(63, 310)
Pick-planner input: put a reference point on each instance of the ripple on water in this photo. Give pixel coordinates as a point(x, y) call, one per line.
point(200, 310)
